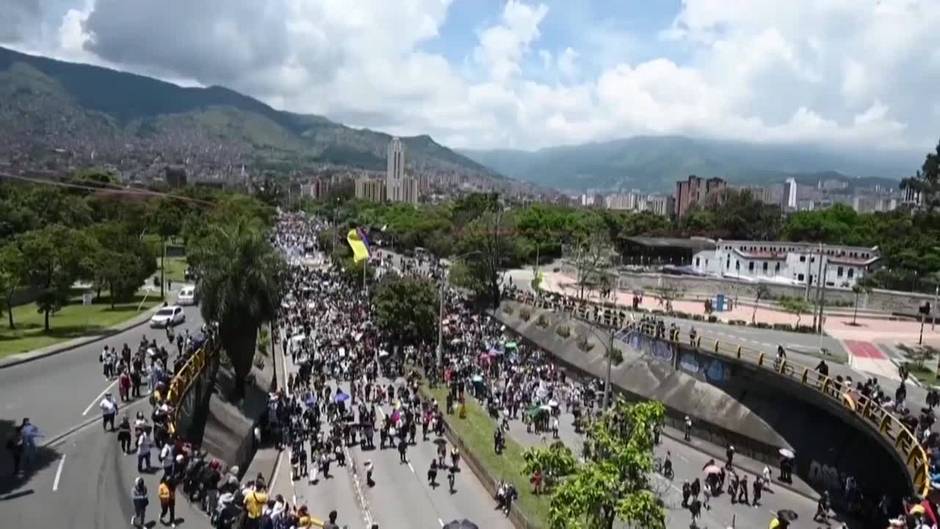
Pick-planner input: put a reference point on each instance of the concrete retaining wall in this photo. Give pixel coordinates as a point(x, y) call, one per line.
point(732, 403)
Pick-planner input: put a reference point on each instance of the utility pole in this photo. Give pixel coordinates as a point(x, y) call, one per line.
point(822, 298)
point(933, 309)
point(819, 282)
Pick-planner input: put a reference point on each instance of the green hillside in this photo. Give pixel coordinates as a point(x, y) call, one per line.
point(81, 108)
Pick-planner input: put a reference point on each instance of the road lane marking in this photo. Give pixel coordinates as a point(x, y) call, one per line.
point(58, 473)
point(411, 467)
point(99, 397)
point(440, 522)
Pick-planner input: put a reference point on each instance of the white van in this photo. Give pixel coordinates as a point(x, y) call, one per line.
point(187, 296)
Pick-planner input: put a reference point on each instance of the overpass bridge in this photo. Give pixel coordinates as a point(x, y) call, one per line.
point(787, 378)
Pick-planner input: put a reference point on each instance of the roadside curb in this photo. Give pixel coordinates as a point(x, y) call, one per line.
point(22, 358)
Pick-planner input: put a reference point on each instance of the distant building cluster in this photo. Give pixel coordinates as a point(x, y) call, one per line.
point(629, 201)
point(695, 191)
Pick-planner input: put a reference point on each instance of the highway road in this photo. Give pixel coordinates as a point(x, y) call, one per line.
point(81, 480)
point(401, 496)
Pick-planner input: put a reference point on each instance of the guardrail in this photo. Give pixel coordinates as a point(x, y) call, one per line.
point(870, 412)
point(183, 380)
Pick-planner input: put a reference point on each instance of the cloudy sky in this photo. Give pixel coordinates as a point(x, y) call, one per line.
point(528, 73)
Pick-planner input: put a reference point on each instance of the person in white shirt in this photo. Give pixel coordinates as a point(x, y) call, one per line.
point(143, 451)
point(109, 410)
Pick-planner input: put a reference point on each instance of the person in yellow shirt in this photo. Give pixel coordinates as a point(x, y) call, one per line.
point(255, 501)
point(167, 494)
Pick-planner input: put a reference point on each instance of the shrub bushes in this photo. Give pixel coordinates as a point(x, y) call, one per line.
point(525, 314)
point(507, 309)
point(563, 330)
point(712, 318)
point(698, 317)
point(616, 356)
point(584, 344)
point(542, 320)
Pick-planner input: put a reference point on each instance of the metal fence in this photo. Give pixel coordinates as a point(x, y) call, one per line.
point(185, 379)
point(870, 412)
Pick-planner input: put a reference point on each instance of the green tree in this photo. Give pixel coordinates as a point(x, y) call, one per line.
point(761, 292)
point(407, 309)
point(862, 286)
point(166, 220)
point(613, 483)
point(55, 256)
point(795, 305)
point(241, 278)
point(12, 276)
point(927, 181)
point(554, 462)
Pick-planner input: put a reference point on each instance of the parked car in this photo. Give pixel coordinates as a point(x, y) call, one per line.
point(188, 295)
point(168, 316)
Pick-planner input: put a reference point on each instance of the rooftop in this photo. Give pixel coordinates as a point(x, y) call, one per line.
point(695, 243)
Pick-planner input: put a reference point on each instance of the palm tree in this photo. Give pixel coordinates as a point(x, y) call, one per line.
point(241, 282)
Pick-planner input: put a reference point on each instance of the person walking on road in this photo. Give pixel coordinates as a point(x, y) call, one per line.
point(109, 409)
point(15, 447)
point(139, 497)
point(688, 429)
point(729, 456)
point(124, 435)
point(167, 494)
point(143, 451)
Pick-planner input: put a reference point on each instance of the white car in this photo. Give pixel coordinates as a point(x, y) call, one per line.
point(187, 296)
point(168, 316)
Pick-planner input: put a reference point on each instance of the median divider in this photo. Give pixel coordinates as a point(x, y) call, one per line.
point(872, 414)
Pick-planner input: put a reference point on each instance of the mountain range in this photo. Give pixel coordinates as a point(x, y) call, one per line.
point(94, 114)
point(654, 163)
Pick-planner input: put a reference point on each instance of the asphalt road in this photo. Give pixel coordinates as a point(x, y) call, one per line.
point(60, 391)
point(401, 496)
point(82, 480)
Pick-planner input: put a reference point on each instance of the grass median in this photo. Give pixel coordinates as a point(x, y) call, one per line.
point(476, 433)
point(72, 321)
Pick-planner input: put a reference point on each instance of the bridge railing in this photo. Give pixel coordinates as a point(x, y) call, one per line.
point(185, 378)
point(870, 412)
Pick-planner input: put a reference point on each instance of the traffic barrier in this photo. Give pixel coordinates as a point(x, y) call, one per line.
point(184, 379)
point(870, 412)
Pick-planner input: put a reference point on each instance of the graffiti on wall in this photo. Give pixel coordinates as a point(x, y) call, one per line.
point(709, 369)
point(825, 475)
point(658, 350)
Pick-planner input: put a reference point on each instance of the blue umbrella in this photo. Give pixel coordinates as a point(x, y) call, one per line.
point(341, 397)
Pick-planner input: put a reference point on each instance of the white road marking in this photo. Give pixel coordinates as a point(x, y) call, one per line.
point(411, 467)
point(440, 522)
point(98, 398)
point(58, 473)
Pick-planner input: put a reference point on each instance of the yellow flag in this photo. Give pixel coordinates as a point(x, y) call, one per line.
point(358, 244)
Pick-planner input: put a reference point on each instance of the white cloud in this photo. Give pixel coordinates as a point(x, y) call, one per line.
point(834, 71)
point(566, 63)
point(502, 46)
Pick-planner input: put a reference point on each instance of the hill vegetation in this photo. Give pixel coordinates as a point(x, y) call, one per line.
point(55, 113)
point(654, 163)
